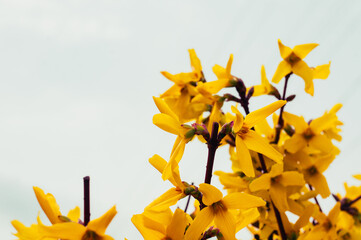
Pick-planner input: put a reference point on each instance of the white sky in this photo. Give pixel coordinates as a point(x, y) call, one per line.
point(77, 80)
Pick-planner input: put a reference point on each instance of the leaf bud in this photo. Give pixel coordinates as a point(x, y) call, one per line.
point(290, 98)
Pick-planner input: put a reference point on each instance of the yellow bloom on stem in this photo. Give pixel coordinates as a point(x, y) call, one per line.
point(312, 169)
point(327, 225)
point(182, 80)
point(184, 89)
point(51, 209)
point(293, 62)
point(170, 197)
point(95, 230)
point(319, 72)
point(224, 77)
point(218, 210)
point(172, 229)
point(265, 87)
point(309, 134)
point(247, 139)
point(168, 121)
point(276, 182)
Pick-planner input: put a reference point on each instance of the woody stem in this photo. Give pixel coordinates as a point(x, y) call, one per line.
point(279, 222)
point(86, 181)
point(315, 198)
point(280, 118)
point(212, 148)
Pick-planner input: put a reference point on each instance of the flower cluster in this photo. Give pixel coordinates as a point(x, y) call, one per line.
point(63, 227)
point(276, 168)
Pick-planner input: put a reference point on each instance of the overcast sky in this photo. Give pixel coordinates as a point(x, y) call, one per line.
point(77, 79)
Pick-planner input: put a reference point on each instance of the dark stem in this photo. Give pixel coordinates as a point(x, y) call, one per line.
point(188, 200)
point(212, 148)
point(279, 222)
point(355, 200)
point(315, 198)
point(280, 118)
point(263, 164)
point(86, 181)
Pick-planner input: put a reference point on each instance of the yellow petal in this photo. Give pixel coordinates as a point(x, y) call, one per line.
point(323, 162)
point(173, 91)
point(180, 78)
point(322, 71)
point(304, 49)
point(25, 233)
point(284, 50)
point(167, 123)
point(292, 178)
point(229, 66)
point(357, 176)
point(150, 230)
point(258, 144)
point(176, 228)
point(202, 220)
point(164, 108)
point(48, 204)
point(324, 122)
point(225, 221)
point(238, 123)
point(318, 181)
point(261, 183)
point(220, 71)
point(297, 121)
point(158, 162)
point(335, 211)
point(257, 116)
point(100, 224)
point(177, 154)
point(276, 170)
point(211, 194)
point(244, 158)
point(279, 196)
point(282, 70)
point(67, 230)
point(304, 218)
point(247, 217)
point(304, 71)
point(74, 214)
point(240, 200)
point(322, 143)
point(295, 143)
point(167, 199)
point(195, 62)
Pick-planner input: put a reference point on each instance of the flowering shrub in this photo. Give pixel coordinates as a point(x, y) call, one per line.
point(276, 168)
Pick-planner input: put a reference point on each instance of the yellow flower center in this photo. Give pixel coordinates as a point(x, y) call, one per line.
point(276, 179)
point(312, 170)
point(90, 235)
point(243, 131)
point(293, 59)
point(327, 225)
point(218, 206)
point(308, 134)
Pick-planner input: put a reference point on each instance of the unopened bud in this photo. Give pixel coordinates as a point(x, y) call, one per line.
point(226, 129)
point(201, 129)
point(275, 93)
point(250, 93)
point(190, 133)
point(64, 218)
point(188, 190)
point(290, 98)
